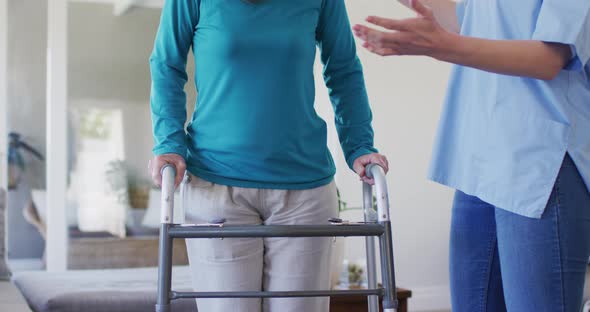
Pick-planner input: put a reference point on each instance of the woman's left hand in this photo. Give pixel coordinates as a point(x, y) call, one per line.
point(422, 35)
point(362, 162)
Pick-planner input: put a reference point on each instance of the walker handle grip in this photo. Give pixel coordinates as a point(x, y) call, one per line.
point(377, 173)
point(167, 200)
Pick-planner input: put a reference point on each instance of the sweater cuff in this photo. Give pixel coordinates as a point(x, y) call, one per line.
point(358, 153)
point(161, 150)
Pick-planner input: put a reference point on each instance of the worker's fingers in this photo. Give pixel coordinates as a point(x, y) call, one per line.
point(421, 9)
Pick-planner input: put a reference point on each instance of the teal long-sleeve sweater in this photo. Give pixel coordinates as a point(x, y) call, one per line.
point(255, 124)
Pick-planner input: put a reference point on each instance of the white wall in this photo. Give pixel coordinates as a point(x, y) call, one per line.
point(406, 95)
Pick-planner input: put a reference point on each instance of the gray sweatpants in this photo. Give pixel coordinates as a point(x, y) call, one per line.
point(254, 264)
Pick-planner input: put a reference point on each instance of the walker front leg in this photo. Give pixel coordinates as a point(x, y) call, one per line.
point(370, 216)
point(164, 270)
point(165, 248)
point(390, 303)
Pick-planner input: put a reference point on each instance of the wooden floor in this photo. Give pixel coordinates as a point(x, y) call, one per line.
point(11, 299)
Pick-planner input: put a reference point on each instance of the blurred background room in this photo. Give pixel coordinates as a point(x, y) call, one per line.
point(75, 140)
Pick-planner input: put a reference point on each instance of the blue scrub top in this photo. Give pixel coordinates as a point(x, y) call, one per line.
point(503, 138)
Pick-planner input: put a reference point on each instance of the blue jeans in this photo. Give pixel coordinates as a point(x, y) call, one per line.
point(500, 261)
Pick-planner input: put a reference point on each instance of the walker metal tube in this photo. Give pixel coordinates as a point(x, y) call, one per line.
point(165, 248)
point(241, 231)
point(167, 208)
point(275, 294)
point(378, 174)
point(164, 270)
point(390, 303)
point(370, 216)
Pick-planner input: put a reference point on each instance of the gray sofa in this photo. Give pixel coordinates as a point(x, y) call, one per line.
point(117, 290)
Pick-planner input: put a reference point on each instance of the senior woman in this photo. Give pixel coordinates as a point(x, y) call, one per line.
point(255, 149)
point(513, 140)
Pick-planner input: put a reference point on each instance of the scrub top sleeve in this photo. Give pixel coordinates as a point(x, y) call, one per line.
point(567, 22)
point(460, 10)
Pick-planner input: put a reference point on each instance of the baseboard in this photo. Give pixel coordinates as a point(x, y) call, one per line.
point(434, 298)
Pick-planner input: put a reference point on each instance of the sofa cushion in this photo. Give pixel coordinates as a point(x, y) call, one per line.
point(120, 290)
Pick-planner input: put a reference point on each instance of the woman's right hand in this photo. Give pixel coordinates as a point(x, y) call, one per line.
point(156, 164)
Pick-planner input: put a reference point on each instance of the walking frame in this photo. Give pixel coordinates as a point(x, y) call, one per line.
point(376, 224)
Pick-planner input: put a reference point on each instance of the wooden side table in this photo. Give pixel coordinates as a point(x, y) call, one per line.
point(360, 303)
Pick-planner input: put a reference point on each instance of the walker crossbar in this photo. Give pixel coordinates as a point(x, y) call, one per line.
point(274, 294)
point(377, 224)
point(235, 231)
